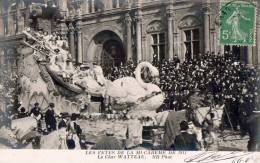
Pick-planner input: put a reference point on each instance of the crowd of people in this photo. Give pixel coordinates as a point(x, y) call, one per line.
point(53, 122)
point(223, 77)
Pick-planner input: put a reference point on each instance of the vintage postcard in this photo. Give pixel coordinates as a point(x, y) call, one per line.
point(130, 80)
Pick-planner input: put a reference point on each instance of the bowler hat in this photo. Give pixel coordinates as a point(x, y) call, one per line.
point(51, 105)
point(184, 125)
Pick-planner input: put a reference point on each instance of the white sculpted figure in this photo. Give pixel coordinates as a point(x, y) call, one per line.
point(146, 96)
point(92, 80)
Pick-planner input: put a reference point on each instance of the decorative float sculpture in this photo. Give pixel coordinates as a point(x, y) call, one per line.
point(47, 75)
point(134, 92)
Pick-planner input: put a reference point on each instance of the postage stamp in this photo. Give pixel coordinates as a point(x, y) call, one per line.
point(238, 23)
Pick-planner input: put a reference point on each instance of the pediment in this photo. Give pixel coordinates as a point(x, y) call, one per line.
point(188, 22)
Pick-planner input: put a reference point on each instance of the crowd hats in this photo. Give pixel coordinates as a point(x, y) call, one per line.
point(184, 125)
point(51, 105)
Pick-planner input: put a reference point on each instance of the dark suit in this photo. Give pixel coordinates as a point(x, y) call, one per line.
point(186, 142)
point(22, 115)
point(62, 124)
point(50, 120)
point(253, 123)
point(76, 129)
point(35, 111)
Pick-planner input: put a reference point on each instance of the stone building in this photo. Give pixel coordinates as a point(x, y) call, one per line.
point(110, 32)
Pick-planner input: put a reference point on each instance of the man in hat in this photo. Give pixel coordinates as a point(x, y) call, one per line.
point(63, 122)
point(74, 130)
point(22, 113)
point(36, 113)
point(73, 127)
point(50, 119)
point(185, 140)
point(253, 123)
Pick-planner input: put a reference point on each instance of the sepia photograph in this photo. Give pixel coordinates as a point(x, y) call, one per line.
point(173, 75)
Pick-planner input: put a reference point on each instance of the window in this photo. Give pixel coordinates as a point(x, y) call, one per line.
point(192, 43)
point(158, 46)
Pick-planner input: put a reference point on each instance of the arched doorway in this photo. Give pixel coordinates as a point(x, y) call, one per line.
point(106, 49)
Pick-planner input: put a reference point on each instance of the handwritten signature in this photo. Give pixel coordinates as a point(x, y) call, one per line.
point(207, 157)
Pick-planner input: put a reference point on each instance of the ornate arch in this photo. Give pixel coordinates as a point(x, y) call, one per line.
point(189, 21)
point(93, 50)
point(107, 28)
point(155, 26)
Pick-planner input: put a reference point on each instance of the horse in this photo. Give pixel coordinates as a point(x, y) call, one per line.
point(200, 115)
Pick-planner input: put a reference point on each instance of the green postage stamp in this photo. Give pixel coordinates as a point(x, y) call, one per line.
point(238, 23)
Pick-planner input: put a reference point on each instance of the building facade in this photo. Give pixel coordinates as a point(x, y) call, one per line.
point(111, 32)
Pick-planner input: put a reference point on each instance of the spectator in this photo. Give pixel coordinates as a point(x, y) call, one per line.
point(36, 113)
point(185, 141)
point(228, 80)
point(22, 113)
point(73, 127)
point(63, 122)
point(253, 124)
point(50, 119)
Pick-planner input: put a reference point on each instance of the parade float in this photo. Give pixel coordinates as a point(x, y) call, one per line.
point(46, 75)
point(128, 106)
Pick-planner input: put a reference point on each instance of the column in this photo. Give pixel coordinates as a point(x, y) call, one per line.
point(79, 59)
point(250, 55)
point(206, 30)
point(129, 36)
point(87, 6)
point(139, 35)
point(109, 4)
point(92, 6)
point(20, 23)
point(213, 41)
point(176, 39)
point(72, 42)
point(18, 17)
point(170, 15)
point(222, 50)
point(1, 57)
point(62, 5)
point(2, 26)
point(10, 24)
point(27, 16)
point(117, 3)
point(79, 55)
point(84, 7)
